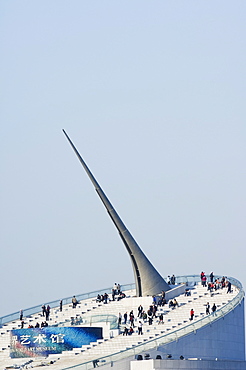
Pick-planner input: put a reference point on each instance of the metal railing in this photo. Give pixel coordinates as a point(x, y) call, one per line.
point(33, 310)
point(91, 319)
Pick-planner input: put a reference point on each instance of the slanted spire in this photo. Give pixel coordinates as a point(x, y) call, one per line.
point(147, 278)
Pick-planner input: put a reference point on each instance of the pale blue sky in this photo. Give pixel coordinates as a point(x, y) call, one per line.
point(153, 95)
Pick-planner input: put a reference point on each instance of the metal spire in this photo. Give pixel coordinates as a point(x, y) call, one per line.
point(147, 278)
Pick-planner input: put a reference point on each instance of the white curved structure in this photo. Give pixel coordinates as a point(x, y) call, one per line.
point(208, 337)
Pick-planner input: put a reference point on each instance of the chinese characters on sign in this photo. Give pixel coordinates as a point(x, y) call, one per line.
point(34, 342)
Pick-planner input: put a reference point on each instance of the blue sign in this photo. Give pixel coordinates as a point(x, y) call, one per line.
point(35, 342)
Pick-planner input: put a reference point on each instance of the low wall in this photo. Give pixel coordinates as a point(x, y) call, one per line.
point(187, 364)
point(175, 292)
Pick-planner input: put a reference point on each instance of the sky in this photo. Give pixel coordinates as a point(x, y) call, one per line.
point(152, 93)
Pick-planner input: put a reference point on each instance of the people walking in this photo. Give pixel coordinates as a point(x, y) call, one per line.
point(160, 319)
point(119, 319)
point(140, 310)
point(204, 279)
point(228, 287)
point(47, 312)
point(131, 319)
point(211, 277)
point(173, 279)
point(140, 327)
point(74, 301)
point(43, 310)
point(125, 318)
point(192, 313)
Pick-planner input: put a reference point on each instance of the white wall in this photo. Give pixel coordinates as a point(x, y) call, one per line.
point(224, 339)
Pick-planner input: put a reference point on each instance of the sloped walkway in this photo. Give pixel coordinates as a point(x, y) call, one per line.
point(174, 320)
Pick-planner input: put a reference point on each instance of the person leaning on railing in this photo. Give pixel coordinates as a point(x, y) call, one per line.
point(74, 301)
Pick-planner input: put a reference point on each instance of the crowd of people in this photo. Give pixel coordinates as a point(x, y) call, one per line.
point(30, 326)
point(43, 324)
point(117, 294)
point(171, 279)
point(215, 283)
point(146, 317)
point(213, 309)
point(143, 317)
point(76, 320)
point(212, 285)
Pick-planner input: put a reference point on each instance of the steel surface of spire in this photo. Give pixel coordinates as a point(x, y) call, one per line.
point(147, 278)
